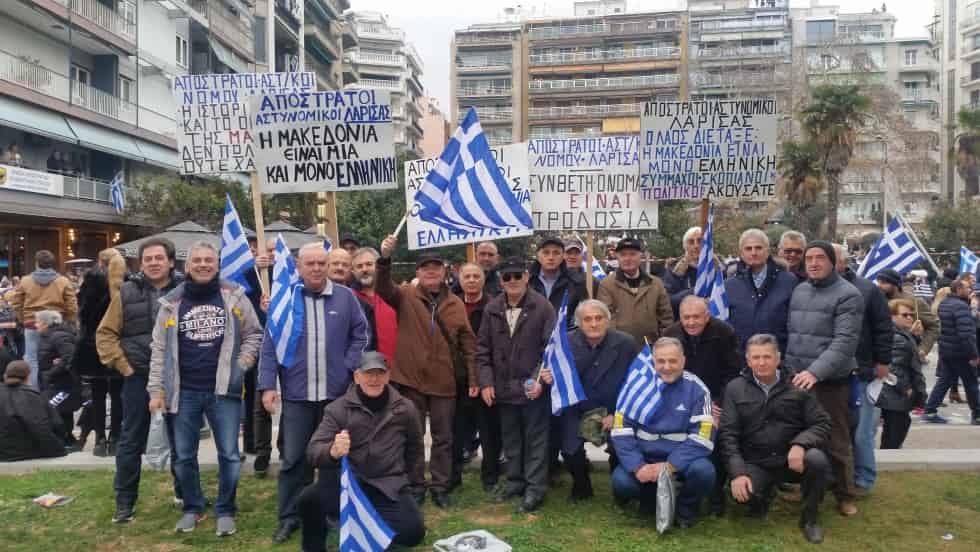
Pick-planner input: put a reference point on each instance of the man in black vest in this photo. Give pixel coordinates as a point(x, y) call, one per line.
point(123, 342)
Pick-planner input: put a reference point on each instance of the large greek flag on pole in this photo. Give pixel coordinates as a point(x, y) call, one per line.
point(640, 396)
point(361, 528)
point(969, 261)
point(286, 315)
point(710, 282)
point(465, 191)
point(236, 257)
point(896, 248)
point(117, 194)
point(566, 390)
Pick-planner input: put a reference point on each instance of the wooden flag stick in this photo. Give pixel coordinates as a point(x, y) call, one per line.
point(259, 231)
point(588, 263)
point(398, 229)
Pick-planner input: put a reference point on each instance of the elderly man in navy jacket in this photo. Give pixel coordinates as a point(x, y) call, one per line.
point(328, 352)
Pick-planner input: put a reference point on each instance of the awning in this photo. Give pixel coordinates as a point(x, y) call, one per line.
point(32, 119)
point(109, 141)
point(226, 57)
point(158, 155)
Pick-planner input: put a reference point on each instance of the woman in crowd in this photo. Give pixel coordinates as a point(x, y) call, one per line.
point(909, 389)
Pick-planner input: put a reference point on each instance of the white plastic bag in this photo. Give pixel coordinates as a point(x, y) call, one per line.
point(157, 445)
point(472, 541)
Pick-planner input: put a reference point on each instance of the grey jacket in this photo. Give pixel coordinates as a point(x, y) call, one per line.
point(239, 348)
point(824, 328)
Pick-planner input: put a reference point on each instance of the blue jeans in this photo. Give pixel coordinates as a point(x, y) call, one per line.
point(865, 470)
point(31, 340)
point(299, 420)
point(698, 478)
point(223, 415)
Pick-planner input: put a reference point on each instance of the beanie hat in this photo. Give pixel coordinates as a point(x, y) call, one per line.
point(890, 276)
point(827, 248)
point(17, 370)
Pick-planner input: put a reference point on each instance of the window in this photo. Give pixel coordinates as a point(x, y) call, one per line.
point(126, 89)
point(827, 62)
point(819, 32)
point(910, 57)
point(183, 53)
point(80, 78)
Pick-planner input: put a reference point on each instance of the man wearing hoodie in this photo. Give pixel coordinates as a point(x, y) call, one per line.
point(43, 289)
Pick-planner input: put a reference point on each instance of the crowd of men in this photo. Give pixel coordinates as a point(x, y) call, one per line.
point(788, 390)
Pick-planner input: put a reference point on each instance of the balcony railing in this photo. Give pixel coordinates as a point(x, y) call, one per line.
point(103, 16)
point(583, 111)
point(83, 187)
point(467, 38)
point(605, 83)
point(742, 51)
point(604, 55)
point(235, 31)
point(379, 32)
point(969, 22)
point(735, 79)
point(488, 91)
point(537, 133)
point(568, 30)
point(395, 85)
point(741, 25)
point(489, 114)
point(391, 60)
point(920, 96)
point(499, 138)
point(969, 79)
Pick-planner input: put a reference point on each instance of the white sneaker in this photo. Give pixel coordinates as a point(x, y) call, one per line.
point(226, 526)
point(188, 522)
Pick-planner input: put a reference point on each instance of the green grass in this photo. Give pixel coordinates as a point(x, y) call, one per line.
point(909, 511)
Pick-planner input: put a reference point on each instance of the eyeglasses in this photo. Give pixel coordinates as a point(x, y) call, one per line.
point(907, 315)
point(792, 251)
point(512, 276)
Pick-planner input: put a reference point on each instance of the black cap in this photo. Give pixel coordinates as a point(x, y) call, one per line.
point(890, 276)
point(551, 240)
point(372, 360)
point(826, 247)
point(630, 243)
point(512, 265)
point(347, 238)
point(574, 243)
point(426, 258)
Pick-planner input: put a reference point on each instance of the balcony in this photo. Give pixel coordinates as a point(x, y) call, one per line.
point(228, 27)
point(484, 63)
point(736, 79)
point(488, 114)
point(484, 92)
point(327, 36)
point(537, 133)
point(324, 73)
point(103, 16)
point(393, 85)
point(379, 32)
point(967, 24)
point(970, 80)
point(562, 31)
point(499, 138)
point(743, 52)
point(862, 36)
point(737, 25)
point(584, 111)
point(472, 39)
point(413, 56)
point(87, 188)
point(928, 96)
point(604, 83)
point(40, 79)
point(387, 60)
point(599, 56)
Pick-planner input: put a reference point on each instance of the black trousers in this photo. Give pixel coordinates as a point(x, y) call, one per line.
point(894, 429)
point(472, 414)
point(102, 387)
point(814, 479)
point(322, 499)
point(258, 422)
point(952, 371)
point(526, 430)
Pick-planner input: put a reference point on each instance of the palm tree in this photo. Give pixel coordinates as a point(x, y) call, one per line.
point(802, 174)
point(968, 144)
point(831, 120)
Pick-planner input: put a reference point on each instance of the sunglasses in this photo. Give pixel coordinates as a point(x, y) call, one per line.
point(908, 315)
point(512, 276)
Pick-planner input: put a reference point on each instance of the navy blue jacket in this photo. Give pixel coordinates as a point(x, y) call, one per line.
point(679, 287)
point(765, 310)
point(877, 328)
point(602, 369)
point(957, 330)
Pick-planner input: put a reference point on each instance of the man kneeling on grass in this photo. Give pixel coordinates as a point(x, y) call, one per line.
point(773, 431)
point(377, 429)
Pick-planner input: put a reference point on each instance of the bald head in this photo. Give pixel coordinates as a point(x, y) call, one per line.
point(339, 266)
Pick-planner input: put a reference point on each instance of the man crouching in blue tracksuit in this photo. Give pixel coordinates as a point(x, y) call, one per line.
point(675, 435)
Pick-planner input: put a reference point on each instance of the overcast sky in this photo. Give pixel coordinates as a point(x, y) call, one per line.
point(429, 24)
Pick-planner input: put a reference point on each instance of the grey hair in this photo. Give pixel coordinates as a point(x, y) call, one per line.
point(309, 247)
point(591, 304)
point(792, 235)
point(692, 299)
point(201, 244)
point(49, 317)
point(753, 233)
point(366, 251)
point(763, 339)
point(669, 342)
point(690, 232)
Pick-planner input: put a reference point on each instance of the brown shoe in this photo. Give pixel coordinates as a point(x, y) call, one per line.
point(847, 508)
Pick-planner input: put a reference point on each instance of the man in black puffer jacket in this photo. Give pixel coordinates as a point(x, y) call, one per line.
point(59, 385)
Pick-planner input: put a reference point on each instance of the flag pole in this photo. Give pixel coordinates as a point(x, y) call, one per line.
point(259, 231)
point(398, 228)
point(588, 263)
point(925, 252)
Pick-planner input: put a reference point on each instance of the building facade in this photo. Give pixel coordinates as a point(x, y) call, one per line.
point(435, 129)
point(957, 33)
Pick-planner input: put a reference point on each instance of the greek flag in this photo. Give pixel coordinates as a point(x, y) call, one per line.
point(566, 390)
point(896, 249)
point(710, 282)
point(640, 396)
point(327, 244)
point(117, 193)
point(361, 528)
point(968, 261)
point(286, 316)
point(465, 191)
point(236, 257)
point(597, 272)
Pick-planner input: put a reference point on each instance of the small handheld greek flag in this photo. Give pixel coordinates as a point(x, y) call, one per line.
point(566, 390)
point(236, 257)
point(117, 194)
point(597, 272)
point(286, 315)
point(710, 283)
point(361, 528)
point(968, 261)
point(640, 396)
point(465, 191)
point(895, 249)
point(327, 244)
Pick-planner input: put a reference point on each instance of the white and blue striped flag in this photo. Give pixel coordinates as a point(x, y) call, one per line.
point(117, 193)
point(640, 396)
point(710, 282)
point(236, 257)
point(969, 262)
point(567, 389)
point(895, 249)
point(597, 272)
point(327, 244)
point(465, 191)
point(361, 528)
point(286, 315)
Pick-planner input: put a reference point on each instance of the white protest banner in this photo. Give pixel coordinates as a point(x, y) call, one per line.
point(718, 149)
point(588, 184)
point(324, 141)
point(214, 131)
point(26, 180)
point(512, 161)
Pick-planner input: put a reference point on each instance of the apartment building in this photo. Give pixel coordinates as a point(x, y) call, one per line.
point(957, 33)
point(897, 160)
point(435, 128)
point(315, 26)
point(383, 59)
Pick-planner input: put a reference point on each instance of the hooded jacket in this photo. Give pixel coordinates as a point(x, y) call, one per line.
point(877, 329)
point(824, 328)
point(43, 289)
point(753, 311)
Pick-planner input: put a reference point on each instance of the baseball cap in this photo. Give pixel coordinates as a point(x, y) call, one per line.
point(630, 243)
point(372, 360)
point(426, 258)
point(574, 243)
point(512, 265)
point(551, 240)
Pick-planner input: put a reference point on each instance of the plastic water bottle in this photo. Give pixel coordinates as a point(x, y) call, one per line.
point(529, 386)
